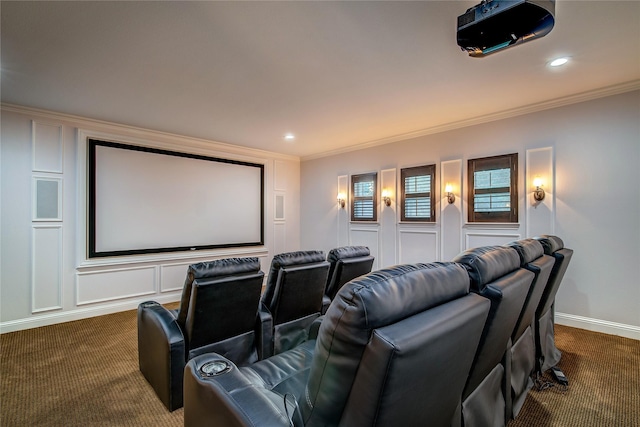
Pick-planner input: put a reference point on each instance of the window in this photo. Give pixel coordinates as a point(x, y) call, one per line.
point(417, 195)
point(364, 203)
point(493, 193)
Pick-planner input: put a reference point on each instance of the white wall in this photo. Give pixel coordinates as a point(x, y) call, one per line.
point(588, 154)
point(45, 275)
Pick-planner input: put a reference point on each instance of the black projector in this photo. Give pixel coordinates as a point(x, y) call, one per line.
point(494, 25)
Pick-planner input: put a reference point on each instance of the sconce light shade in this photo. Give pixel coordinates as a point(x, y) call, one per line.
point(451, 198)
point(341, 200)
point(386, 197)
point(538, 193)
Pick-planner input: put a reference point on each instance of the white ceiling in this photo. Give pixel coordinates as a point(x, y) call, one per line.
point(336, 74)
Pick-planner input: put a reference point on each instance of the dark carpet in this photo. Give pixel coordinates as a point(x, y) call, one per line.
point(85, 373)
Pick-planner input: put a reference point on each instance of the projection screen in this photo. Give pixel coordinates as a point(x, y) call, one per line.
point(144, 200)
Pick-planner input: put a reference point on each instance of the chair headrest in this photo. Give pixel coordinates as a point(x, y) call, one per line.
point(296, 258)
point(212, 269)
point(386, 296)
point(284, 260)
point(550, 243)
point(347, 252)
point(528, 249)
point(223, 267)
point(487, 263)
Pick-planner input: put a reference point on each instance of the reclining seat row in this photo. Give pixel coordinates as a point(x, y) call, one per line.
point(547, 354)
point(394, 348)
point(495, 274)
point(218, 312)
point(522, 355)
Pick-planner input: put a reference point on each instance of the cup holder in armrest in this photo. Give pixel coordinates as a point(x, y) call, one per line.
point(214, 368)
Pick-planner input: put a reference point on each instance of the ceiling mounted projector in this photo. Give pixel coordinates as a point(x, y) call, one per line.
point(495, 25)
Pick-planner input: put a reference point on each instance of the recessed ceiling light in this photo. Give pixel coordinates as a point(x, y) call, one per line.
point(559, 62)
point(289, 137)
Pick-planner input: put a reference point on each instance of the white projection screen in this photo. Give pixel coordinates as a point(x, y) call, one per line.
point(144, 200)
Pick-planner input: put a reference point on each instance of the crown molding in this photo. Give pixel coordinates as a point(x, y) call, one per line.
point(501, 115)
point(116, 128)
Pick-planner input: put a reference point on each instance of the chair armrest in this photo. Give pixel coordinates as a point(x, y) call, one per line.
point(230, 398)
point(314, 328)
point(264, 332)
point(161, 352)
point(326, 302)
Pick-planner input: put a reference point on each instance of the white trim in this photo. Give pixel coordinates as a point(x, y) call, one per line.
point(500, 115)
point(132, 131)
point(597, 325)
point(60, 156)
point(59, 278)
point(152, 268)
point(435, 231)
point(81, 313)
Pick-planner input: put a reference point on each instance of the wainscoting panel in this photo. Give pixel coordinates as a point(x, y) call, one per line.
point(364, 235)
point(108, 285)
point(46, 268)
point(475, 239)
point(47, 147)
point(418, 245)
point(279, 238)
point(172, 276)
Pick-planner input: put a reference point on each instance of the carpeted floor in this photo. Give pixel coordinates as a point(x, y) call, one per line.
point(85, 373)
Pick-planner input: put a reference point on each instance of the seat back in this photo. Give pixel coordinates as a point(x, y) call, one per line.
point(293, 295)
point(547, 354)
point(219, 307)
point(533, 258)
point(394, 348)
point(495, 274)
point(346, 263)
point(553, 246)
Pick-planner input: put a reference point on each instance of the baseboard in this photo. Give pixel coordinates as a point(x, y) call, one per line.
point(45, 319)
point(596, 325)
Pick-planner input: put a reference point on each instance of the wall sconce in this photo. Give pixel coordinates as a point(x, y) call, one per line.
point(451, 198)
point(341, 200)
point(386, 197)
point(538, 194)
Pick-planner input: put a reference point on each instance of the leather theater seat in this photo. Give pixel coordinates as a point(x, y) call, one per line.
point(346, 263)
point(218, 313)
point(547, 353)
point(495, 274)
point(522, 355)
point(293, 296)
point(394, 349)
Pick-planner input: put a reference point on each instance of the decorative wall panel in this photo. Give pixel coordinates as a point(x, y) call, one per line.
point(418, 245)
point(540, 215)
point(172, 276)
point(107, 285)
point(364, 235)
point(46, 269)
point(47, 146)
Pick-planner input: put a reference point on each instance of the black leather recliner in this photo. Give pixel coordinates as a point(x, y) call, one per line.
point(293, 296)
point(218, 313)
point(347, 263)
point(394, 349)
point(547, 353)
point(522, 354)
point(495, 273)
